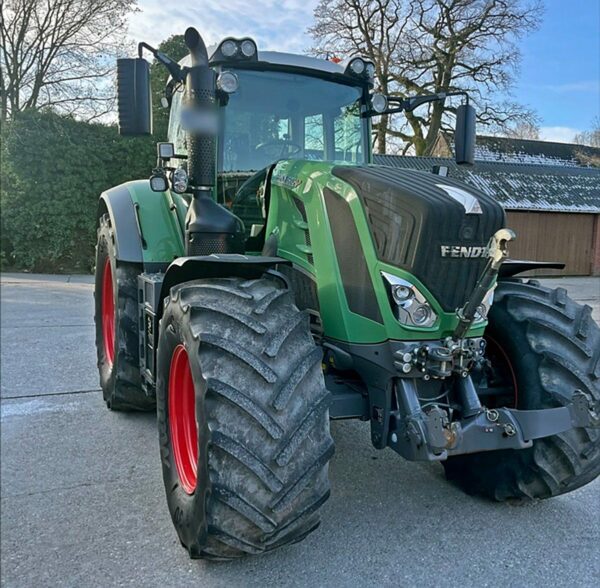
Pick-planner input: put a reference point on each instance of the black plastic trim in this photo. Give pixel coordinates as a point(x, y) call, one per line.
point(512, 267)
point(184, 269)
point(356, 279)
point(119, 205)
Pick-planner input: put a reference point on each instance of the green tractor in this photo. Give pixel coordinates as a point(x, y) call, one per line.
point(269, 278)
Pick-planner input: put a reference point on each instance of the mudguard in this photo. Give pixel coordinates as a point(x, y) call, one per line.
point(148, 225)
point(512, 267)
point(184, 269)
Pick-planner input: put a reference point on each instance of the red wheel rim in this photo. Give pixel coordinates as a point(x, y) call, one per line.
point(182, 419)
point(108, 313)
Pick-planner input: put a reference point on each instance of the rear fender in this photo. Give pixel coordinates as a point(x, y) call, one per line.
point(148, 226)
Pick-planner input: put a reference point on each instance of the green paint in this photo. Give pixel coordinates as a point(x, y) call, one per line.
point(160, 224)
point(306, 180)
point(162, 216)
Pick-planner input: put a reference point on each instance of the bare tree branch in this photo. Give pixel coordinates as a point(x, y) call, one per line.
point(430, 46)
point(59, 54)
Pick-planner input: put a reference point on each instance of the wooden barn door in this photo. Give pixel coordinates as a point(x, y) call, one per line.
point(554, 236)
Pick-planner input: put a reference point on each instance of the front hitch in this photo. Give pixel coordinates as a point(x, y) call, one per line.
point(431, 435)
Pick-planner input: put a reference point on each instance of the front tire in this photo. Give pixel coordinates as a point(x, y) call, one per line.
point(552, 346)
point(243, 418)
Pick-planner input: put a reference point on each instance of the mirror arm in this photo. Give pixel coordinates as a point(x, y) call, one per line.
point(177, 72)
point(409, 104)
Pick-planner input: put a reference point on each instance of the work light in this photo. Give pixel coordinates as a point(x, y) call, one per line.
point(179, 180)
point(229, 48)
point(165, 150)
point(248, 48)
point(379, 103)
point(371, 71)
point(227, 82)
point(158, 182)
point(236, 49)
point(357, 66)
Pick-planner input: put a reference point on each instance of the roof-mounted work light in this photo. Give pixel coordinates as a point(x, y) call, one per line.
point(231, 49)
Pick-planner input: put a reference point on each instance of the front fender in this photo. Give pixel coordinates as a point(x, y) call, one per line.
point(148, 226)
point(217, 265)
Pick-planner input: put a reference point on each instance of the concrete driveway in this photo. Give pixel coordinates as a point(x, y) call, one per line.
point(82, 498)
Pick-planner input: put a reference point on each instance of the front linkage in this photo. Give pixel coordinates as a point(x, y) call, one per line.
point(429, 435)
point(426, 431)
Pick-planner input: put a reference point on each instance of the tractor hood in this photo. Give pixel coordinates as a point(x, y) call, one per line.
point(431, 226)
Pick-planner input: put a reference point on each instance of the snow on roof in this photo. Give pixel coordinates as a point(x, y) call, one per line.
point(519, 186)
point(524, 151)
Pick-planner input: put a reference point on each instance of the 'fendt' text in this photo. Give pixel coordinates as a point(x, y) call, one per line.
point(459, 251)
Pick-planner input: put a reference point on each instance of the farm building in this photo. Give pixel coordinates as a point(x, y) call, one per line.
point(551, 193)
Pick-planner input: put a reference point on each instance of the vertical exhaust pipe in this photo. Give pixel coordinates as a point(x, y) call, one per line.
point(200, 96)
point(209, 227)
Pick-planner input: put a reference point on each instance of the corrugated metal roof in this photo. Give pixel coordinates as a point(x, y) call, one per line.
point(518, 186)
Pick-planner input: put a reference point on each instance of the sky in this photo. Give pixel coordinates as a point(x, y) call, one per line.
point(559, 75)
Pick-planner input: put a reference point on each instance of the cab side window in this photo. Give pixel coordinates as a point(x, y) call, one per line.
point(314, 142)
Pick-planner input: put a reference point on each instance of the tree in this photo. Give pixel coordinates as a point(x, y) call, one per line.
point(523, 130)
point(432, 46)
point(60, 54)
point(590, 138)
point(53, 168)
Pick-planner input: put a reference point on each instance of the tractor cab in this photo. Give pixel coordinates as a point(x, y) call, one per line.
point(280, 107)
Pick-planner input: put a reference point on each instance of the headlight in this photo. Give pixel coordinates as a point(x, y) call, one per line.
point(401, 293)
point(371, 71)
point(378, 102)
point(227, 82)
point(179, 180)
point(410, 306)
point(421, 314)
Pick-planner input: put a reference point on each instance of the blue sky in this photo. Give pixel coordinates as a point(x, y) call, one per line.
point(560, 72)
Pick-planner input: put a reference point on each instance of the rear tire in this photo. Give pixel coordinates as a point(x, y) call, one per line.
point(256, 474)
point(117, 342)
point(553, 346)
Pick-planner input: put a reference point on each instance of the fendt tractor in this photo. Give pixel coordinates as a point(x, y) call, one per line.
point(268, 278)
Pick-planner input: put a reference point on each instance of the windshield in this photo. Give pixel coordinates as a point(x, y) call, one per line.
point(275, 115)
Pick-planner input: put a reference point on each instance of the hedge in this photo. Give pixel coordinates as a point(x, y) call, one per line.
point(52, 172)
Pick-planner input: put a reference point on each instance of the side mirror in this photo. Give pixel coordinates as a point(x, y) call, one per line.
point(464, 135)
point(134, 97)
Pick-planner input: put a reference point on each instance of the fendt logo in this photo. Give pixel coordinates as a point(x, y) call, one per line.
point(466, 252)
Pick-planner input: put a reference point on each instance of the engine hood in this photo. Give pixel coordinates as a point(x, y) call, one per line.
point(431, 226)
